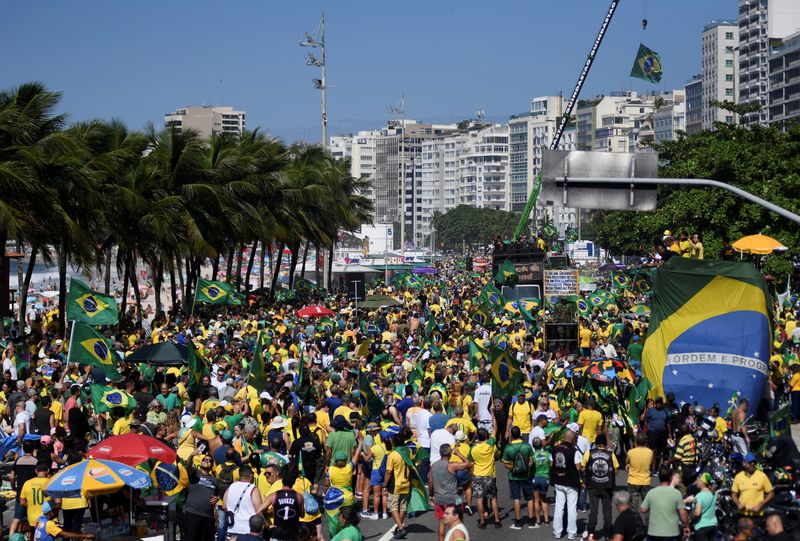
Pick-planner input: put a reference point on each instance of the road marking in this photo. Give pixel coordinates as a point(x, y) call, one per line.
point(388, 535)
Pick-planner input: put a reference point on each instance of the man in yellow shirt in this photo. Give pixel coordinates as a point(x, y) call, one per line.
point(398, 493)
point(31, 497)
point(639, 462)
point(520, 414)
point(794, 390)
point(751, 490)
point(122, 422)
point(591, 421)
point(585, 339)
point(483, 454)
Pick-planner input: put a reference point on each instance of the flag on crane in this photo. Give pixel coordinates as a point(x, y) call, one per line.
point(647, 65)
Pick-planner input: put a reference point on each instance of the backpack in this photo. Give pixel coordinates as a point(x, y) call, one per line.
point(641, 529)
point(519, 466)
point(226, 476)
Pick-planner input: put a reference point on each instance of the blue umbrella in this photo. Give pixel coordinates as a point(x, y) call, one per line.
point(94, 477)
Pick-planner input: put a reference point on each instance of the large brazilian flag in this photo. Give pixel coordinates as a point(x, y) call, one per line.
point(709, 332)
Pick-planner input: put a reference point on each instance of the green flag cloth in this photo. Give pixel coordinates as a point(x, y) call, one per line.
point(506, 376)
point(418, 498)
point(197, 366)
point(526, 310)
point(413, 281)
point(258, 368)
point(647, 65)
point(549, 232)
point(303, 285)
point(107, 398)
point(642, 283)
point(584, 308)
point(506, 275)
point(371, 404)
point(430, 326)
point(212, 292)
point(481, 315)
point(637, 399)
point(87, 306)
point(490, 296)
point(382, 359)
point(476, 354)
point(571, 235)
point(88, 347)
point(600, 299)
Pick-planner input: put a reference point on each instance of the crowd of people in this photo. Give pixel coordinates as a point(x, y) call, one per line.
point(301, 454)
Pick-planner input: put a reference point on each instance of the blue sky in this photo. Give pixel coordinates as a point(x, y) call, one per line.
point(138, 60)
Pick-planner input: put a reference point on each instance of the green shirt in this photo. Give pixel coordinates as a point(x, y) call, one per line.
point(708, 512)
point(635, 351)
point(169, 403)
point(663, 503)
point(518, 450)
point(341, 440)
point(233, 420)
point(541, 459)
point(350, 532)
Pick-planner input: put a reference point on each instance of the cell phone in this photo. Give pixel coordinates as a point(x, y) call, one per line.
point(202, 447)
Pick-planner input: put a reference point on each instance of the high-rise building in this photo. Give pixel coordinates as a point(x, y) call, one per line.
point(207, 120)
point(760, 23)
point(529, 134)
point(360, 150)
point(670, 119)
point(719, 51)
point(602, 123)
point(784, 80)
point(693, 89)
point(483, 168)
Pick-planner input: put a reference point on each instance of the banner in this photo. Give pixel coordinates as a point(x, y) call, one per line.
point(709, 336)
point(560, 283)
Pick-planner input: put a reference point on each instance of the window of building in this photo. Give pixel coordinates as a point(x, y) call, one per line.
point(728, 35)
point(729, 91)
point(729, 63)
point(729, 119)
point(729, 77)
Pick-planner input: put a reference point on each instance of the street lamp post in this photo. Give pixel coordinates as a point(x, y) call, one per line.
point(320, 84)
point(401, 110)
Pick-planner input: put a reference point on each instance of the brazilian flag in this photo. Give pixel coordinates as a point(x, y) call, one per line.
point(87, 347)
point(642, 283)
point(620, 280)
point(326, 324)
point(382, 359)
point(502, 341)
point(91, 307)
point(418, 497)
point(507, 378)
point(526, 308)
point(571, 234)
point(709, 333)
point(481, 315)
point(647, 65)
point(197, 366)
point(371, 404)
point(491, 296)
point(506, 275)
point(584, 308)
point(211, 292)
point(259, 366)
point(303, 285)
point(107, 398)
point(549, 232)
point(412, 281)
point(477, 354)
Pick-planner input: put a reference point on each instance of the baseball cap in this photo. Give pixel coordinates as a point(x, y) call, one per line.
point(47, 507)
point(706, 478)
point(575, 427)
point(265, 395)
point(749, 457)
point(541, 416)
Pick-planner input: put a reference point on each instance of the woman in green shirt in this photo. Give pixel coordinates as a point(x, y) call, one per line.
point(705, 509)
point(348, 524)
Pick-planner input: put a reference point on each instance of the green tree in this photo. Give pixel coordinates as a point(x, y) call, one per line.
point(472, 226)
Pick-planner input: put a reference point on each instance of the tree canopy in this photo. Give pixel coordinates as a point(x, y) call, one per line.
point(762, 161)
point(96, 195)
point(473, 226)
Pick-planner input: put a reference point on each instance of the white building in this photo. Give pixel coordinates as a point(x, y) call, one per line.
point(341, 146)
point(483, 169)
point(720, 54)
point(761, 21)
point(669, 120)
point(207, 120)
point(784, 80)
point(362, 161)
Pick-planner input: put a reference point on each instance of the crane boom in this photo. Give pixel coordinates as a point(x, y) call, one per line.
point(562, 124)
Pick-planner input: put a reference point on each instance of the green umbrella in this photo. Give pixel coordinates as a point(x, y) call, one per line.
point(378, 301)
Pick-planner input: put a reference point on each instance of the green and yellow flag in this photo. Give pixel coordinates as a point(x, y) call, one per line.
point(371, 404)
point(491, 296)
point(259, 368)
point(647, 65)
point(90, 348)
point(482, 316)
point(91, 307)
point(197, 366)
point(212, 292)
point(506, 275)
point(507, 378)
point(107, 398)
point(477, 353)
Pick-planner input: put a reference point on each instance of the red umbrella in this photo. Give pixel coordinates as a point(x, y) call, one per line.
point(132, 449)
point(314, 311)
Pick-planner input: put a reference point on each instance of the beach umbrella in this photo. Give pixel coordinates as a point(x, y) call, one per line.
point(379, 301)
point(132, 449)
point(169, 478)
point(315, 310)
point(94, 478)
point(758, 244)
point(161, 353)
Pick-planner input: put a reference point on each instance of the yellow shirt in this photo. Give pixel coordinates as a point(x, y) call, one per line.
point(697, 250)
point(794, 383)
point(721, 427)
point(341, 410)
point(301, 485)
point(121, 426)
point(378, 452)
point(342, 477)
point(585, 460)
point(74, 503)
point(463, 448)
point(751, 489)
point(590, 421)
point(686, 248)
point(521, 416)
point(640, 460)
point(464, 425)
point(585, 336)
point(58, 412)
point(32, 493)
point(261, 483)
point(483, 454)
point(400, 474)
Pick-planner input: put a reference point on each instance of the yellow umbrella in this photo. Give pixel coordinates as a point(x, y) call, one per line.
point(758, 244)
